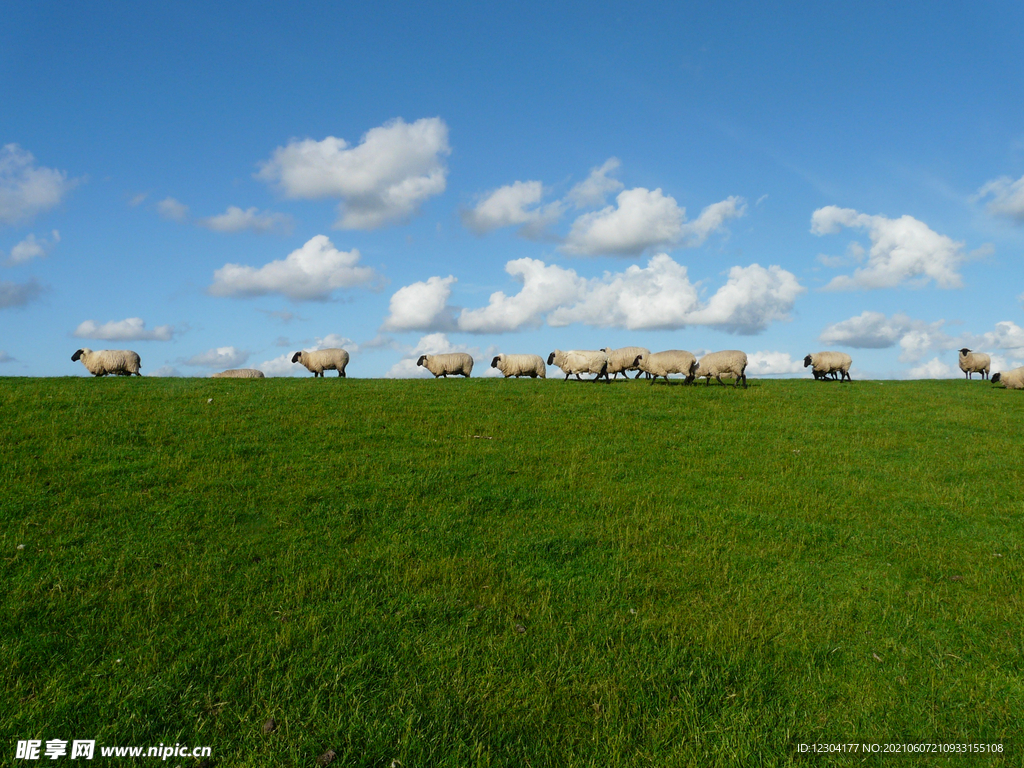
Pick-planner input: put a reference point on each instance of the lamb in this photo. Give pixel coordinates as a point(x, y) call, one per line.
point(453, 363)
point(728, 362)
point(122, 362)
point(321, 360)
point(624, 359)
point(974, 362)
point(239, 373)
point(664, 363)
point(1011, 379)
point(577, 361)
point(826, 363)
point(520, 365)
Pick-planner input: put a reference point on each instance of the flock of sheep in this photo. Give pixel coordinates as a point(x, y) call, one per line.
point(604, 362)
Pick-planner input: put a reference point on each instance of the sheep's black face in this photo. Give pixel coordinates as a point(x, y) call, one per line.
point(76, 356)
point(295, 357)
point(965, 351)
point(807, 361)
point(494, 363)
point(636, 360)
point(551, 359)
point(996, 377)
point(422, 360)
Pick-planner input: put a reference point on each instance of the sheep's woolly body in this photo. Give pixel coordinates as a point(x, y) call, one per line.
point(453, 363)
point(729, 362)
point(122, 362)
point(577, 361)
point(239, 373)
point(624, 359)
point(975, 362)
point(825, 363)
point(520, 365)
point(670, 361)
point(321, 360)
point(1011, 379)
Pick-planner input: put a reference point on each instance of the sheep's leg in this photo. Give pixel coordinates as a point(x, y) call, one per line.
point(567, 377)
point(719, 377)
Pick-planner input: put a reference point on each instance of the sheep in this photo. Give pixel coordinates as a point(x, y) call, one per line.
point(624, 359)
point(122, 362)
point(664, 363)
point(520, 365)
point(727, 362)
point(321, 360)
point(239, 373)
point(577, 361)
point(1011, 379)
point(974, 362)
point(453, 363)
point(826, 363)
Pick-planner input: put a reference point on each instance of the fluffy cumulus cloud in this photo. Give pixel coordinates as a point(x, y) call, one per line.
point(32, 248)
point(131, 329)
point(27, 189)
point(431, 344)
point(903, 250)
point(234, 219)
point(873, 330)
point(1007, 198)
point(933, 369)
point(385, 179)
point(594, 190)
point(19, 294)
point(310, 273)
point(643, 219)
point(659, 295)
point(171, 209)
point(768, 363)
point(517, 204)
point(221, 357)
point(422, 306)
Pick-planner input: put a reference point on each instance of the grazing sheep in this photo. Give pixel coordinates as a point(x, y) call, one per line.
point(121, 362)
point(729, 362)
point(321, 360)
point(1011, 379)
point(453, 363)
point(826, 363)
point(520, 365)
point(974, 362)
point(624, 359)
point(669, 361)
point(239, 373)
point(577, 361)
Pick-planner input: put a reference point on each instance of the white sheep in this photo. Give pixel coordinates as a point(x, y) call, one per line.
point(974, 362)
point(729, 362)
point(454, 363)
point(1011, 379)
point(577, 361)
point(520, 365)
point(669, 361)
point(239, 373)
point(121, 362)
point(624, 359)
point(321, 360)
point(826, 363)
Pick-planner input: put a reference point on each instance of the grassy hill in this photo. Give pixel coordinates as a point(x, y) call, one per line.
point(511, 573)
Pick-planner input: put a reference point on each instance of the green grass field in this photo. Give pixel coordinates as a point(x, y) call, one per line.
point(512, 573)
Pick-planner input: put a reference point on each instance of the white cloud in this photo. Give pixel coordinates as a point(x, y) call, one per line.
point(171, 209)
point(510, 206)
point(752, 298)
point(1007, 335)
point(903, 250)
point(334, 341)
point(309, 273)
point(221, 357)
point(19, 294)
point(933, 369)
point(422, 306)
point(385, 179)
point(167, 370)
point(31, 248)
point(1007, 198)
point(432, 344)
point(234, 219)
point(545, 287)
point(282, 365)
point(765, 363)
point(131, 329)
point(27, 189)
point(643, 219)
point(594, 190)
point(873, 330)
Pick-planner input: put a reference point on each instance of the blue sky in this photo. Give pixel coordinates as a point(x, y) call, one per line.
point(219, 187)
